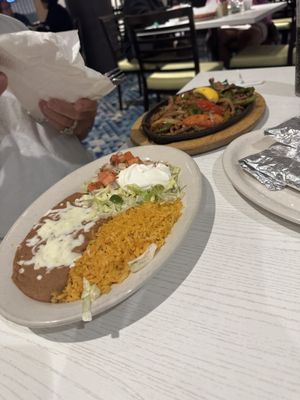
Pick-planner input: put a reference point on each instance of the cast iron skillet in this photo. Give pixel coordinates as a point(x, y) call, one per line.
point(169, 138)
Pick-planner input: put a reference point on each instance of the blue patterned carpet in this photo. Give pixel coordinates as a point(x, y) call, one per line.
point(112, 127)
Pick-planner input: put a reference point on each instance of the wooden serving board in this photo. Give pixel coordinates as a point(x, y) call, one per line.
point(209, 142)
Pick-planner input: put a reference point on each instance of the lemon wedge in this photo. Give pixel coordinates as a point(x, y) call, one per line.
point(209, 93)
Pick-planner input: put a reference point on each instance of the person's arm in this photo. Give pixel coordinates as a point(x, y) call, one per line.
point(136, 7)
point(62, 114)
point(3, 82)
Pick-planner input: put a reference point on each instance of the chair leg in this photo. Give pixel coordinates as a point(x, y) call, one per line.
point(140, 83)
point(120, 97)
point(284, 37)
point(146, 98)
point(145, 93)
point(146, 101)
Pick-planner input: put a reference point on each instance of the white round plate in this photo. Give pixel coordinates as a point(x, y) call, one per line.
point(284, 203)
point(17, 307)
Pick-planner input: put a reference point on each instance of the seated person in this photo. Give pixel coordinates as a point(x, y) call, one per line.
point(193, 3)
point(34, 156)
point(137, 7)
point(5, 8)
point(232, 40)
point(58, 19)
point(197, 3)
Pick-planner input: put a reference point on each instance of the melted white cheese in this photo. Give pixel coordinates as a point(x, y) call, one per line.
point(145, 175)
point(54, 241)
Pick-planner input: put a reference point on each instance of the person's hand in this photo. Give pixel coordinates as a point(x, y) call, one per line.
point(70, 118)
point(3, 82)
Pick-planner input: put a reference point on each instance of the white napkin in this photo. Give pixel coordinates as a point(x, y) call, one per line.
point(44, 65)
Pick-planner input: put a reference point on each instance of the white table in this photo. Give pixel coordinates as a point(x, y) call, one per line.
point(221, 321)
point(255, 14)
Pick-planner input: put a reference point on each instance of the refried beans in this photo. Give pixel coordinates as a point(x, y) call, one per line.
point(39, 283)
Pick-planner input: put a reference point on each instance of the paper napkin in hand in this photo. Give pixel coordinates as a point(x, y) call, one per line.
point(44, 65)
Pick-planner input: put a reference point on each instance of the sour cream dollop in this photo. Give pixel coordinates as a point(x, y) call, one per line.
point(145, 175)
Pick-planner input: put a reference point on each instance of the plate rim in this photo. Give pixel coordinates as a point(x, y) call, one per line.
point(196, 194)
point(247, 185)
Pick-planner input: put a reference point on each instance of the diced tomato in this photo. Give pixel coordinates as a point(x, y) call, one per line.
point(114, 159)
point(94, 185)
point(134, 160)
point(106, 177)
point(128, 156)
point(207, 105)
point(101, 175)
point(121, 159)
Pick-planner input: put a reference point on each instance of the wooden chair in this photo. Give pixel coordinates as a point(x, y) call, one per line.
point(167, 53)
point(268, 55)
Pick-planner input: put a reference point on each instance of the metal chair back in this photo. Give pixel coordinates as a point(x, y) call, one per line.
point(163, 41)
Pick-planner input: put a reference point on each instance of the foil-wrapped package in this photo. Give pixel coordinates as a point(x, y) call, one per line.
point(287, 133)
point(279, 165)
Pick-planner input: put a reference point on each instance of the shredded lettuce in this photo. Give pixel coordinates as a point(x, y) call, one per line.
point(144, 259)
point(89, 294)
point(110, 201)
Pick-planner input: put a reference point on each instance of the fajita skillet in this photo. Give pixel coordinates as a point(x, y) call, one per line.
point(169, 138)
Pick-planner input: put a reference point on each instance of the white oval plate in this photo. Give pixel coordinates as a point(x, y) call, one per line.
point(284, 203)
point(17, 307)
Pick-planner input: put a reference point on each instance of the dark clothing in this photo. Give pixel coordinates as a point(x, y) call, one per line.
point(198, 3)
point(94, 47)
point(58, 19)
point(193, 3)
point(136, 7)
point(22, 18)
